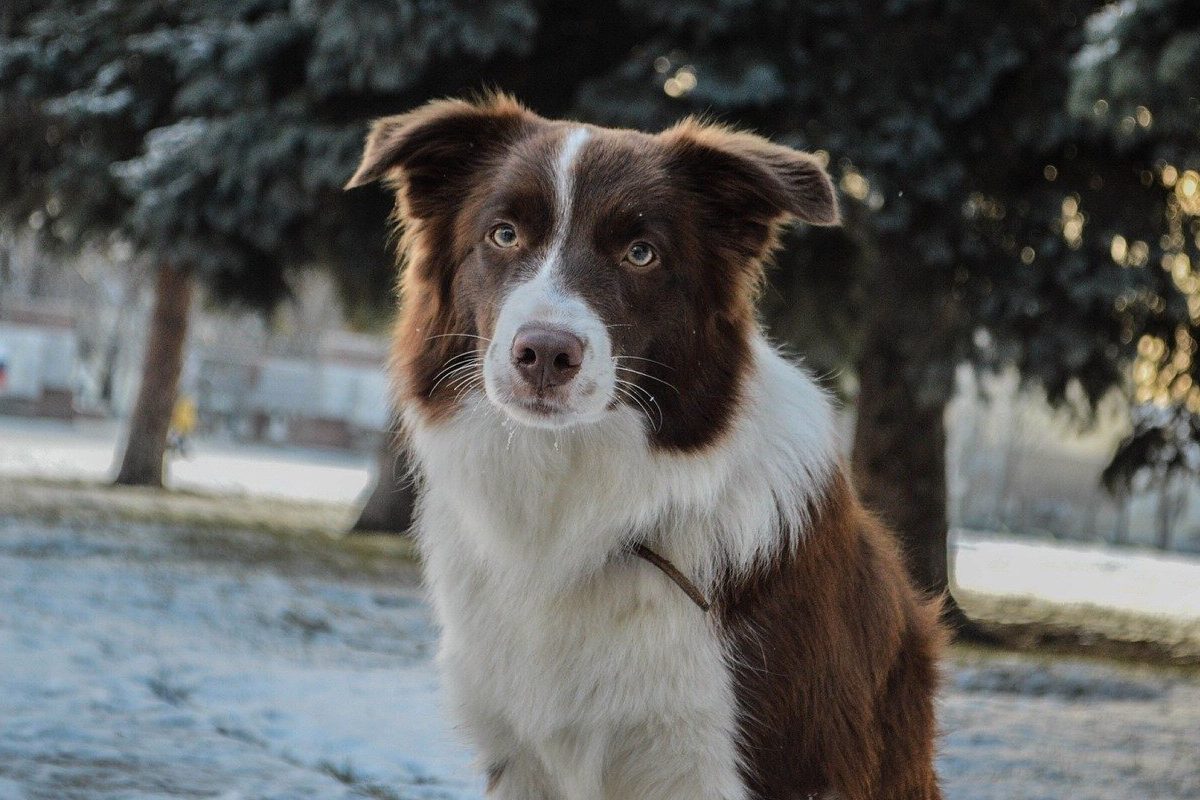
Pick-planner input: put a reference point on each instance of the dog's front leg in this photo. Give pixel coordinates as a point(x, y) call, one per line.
point(514, 770)
point(576, 759)
point(519, 776)
point(682, 761)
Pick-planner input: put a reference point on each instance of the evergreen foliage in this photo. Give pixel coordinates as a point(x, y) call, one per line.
point(1014, 172)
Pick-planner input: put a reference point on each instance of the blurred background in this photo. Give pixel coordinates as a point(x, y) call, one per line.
point(204, 585)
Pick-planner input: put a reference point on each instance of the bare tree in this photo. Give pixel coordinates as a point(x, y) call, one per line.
point(390, 506)
point(142, 463)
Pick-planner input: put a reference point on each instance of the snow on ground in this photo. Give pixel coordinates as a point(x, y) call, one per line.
point(136, 664)
point(149, 662)
point(87, 450)
point(132, 667)
point(986, 563)
point(1075, 573)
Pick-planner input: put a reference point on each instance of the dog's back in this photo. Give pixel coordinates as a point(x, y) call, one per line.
point(653, 576)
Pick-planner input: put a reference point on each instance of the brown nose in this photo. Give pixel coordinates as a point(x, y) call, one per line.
point(546, 357)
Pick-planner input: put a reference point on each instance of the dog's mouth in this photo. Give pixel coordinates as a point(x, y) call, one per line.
point(539, 410)
point(540, 406)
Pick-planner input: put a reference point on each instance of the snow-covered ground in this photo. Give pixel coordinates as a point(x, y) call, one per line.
point(147, 662)
point(133, 665)
point(1145, 582)
point(985, 563)
point(138, 661)
point(88, 449)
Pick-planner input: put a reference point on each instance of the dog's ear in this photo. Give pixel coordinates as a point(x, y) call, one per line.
point(744, 174)
point(431, 153)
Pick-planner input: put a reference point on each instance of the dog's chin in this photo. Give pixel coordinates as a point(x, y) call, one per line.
point(538, 413)
point(548, 414)
point(545, 412)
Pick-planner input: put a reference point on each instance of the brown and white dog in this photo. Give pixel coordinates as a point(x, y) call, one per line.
point(583, 381)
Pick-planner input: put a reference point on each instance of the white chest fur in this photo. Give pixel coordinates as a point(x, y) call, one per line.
point(585, 672)
point(573, 678)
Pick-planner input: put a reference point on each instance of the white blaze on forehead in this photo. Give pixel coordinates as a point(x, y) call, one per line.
point(564, 192)
point(563, 169)
point(542, 299)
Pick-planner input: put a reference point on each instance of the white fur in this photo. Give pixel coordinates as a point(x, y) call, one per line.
point(586, 672)
point(542, 300)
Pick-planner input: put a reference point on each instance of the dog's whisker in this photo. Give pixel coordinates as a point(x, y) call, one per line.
point(461, 356)
point(625, 394)
point(668, 384)
point(458, 369)
point(461, 380)
point(453, 360)
point(641, 358)
point(626, 389)
point(464, 335)
point(651, 398)
point(468, 385)
point(450, 369)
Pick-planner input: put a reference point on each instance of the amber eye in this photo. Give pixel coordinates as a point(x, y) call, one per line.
point(640, 254)
point(503, 235)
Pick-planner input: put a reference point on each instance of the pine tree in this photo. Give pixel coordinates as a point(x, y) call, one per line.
point(984, 198)
point(1014, 174)
point(1138, 84)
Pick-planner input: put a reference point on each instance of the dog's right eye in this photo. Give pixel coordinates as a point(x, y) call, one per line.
point(503, 235)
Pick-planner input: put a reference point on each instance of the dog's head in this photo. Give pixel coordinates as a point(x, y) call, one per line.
point(569, 270)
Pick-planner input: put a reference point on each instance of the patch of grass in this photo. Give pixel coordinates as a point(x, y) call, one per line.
point(167, 690)
point(376, 792)
point(343, 772)
point(1026, 624)
point(62, 501)
point(309, 625)
point(254, 531)
point(298, 537)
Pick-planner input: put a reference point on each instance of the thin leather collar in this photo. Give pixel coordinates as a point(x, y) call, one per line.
point(667, 568)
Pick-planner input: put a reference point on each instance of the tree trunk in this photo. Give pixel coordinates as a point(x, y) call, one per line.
point(142, 463)
point(1121, 527)
point(1170, 508)
point(899, 462)
point(1163, 532)
point(906, 379)
point(389, 509)
point(1091, 531)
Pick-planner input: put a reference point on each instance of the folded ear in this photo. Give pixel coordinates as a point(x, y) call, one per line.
point(748, 175)
point(430, 153)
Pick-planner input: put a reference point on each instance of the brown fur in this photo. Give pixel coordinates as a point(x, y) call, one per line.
point(835, 664)
point(709, 199)
point(834, 652)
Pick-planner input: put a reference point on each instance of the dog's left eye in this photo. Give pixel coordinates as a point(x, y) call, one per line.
point(640, 254)
point(503, 235)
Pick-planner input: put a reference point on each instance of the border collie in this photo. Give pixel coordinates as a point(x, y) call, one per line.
point(653, 577)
